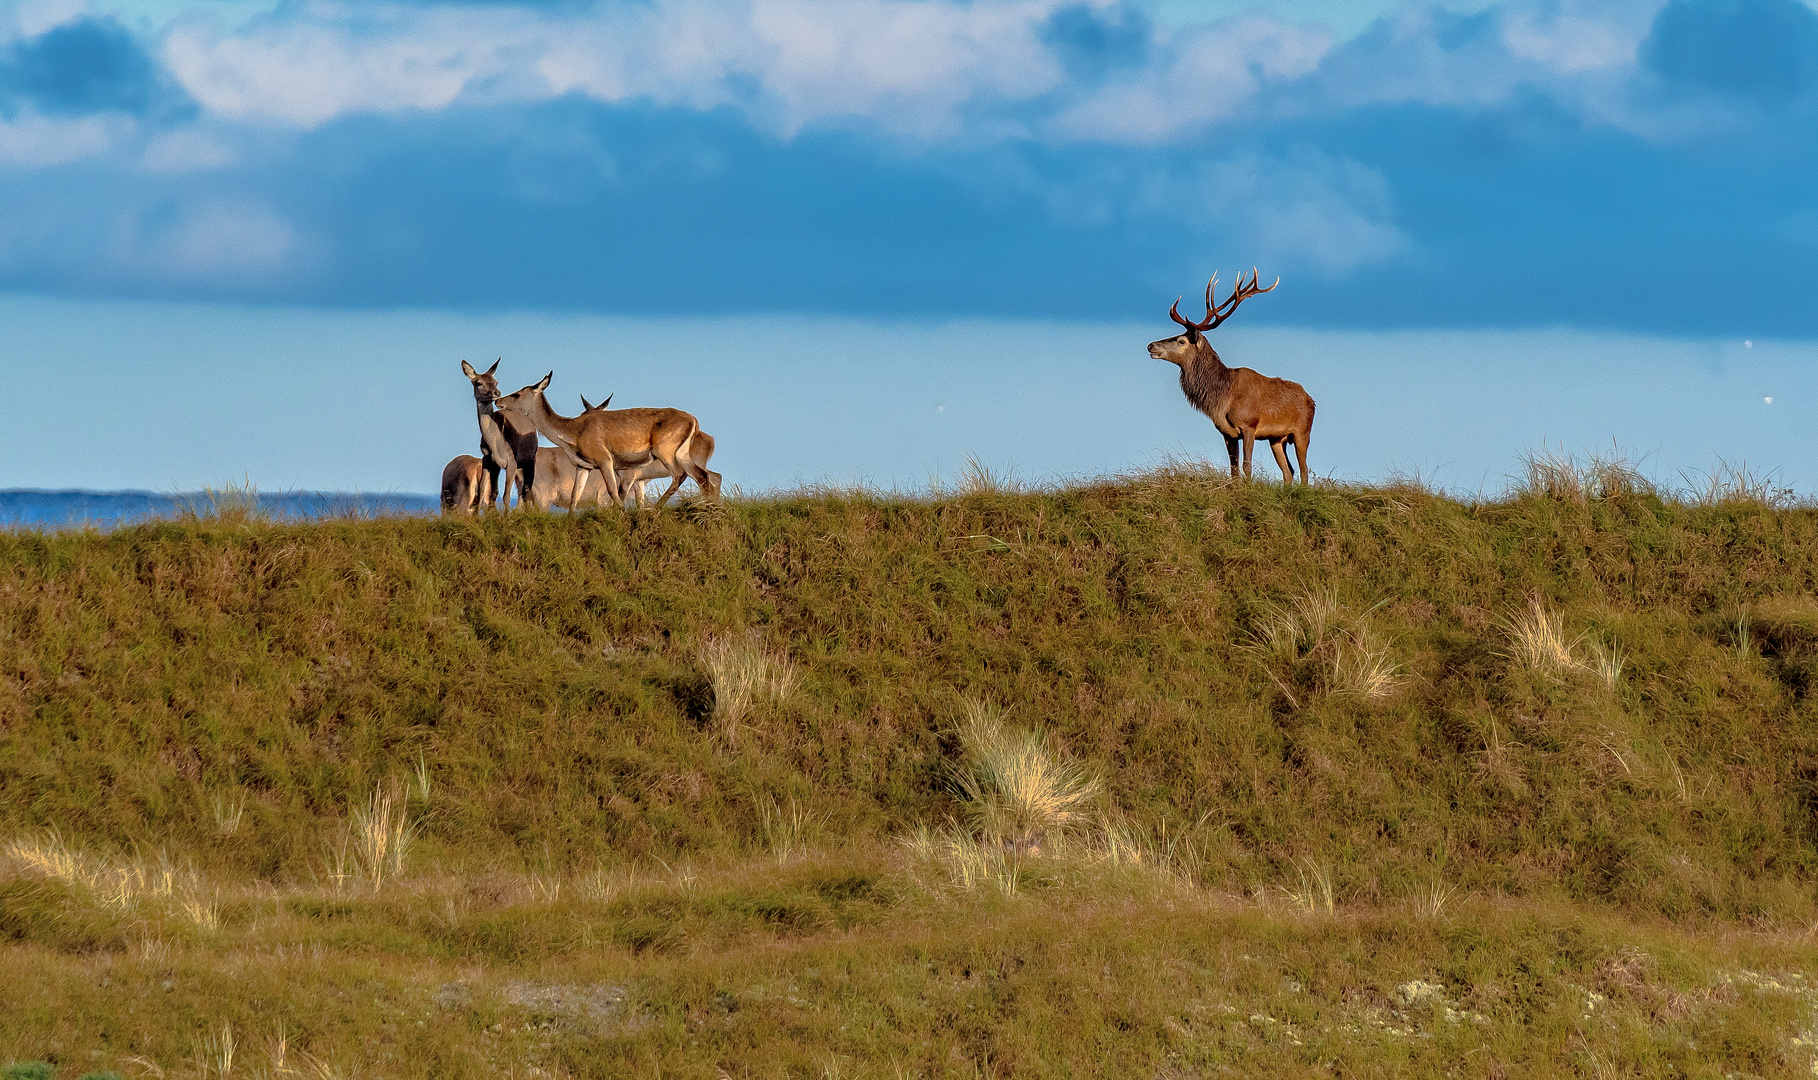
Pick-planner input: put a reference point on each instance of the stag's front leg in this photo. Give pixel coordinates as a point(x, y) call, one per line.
point(1231, 446)
point(1249, 450)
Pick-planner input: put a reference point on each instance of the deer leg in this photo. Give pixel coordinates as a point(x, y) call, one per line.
point(1281, 458)
point(492, 482)
point(1249, 450)
point(1231, 446)
point(1300, 451)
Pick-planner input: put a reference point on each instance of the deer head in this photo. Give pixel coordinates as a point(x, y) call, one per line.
point(1178, 350)
point(586, 408)
point(523, 401)
point(485, 387)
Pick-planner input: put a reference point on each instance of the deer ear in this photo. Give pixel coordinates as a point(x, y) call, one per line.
point(607, 402)
point(584, 406)
point(544, 385)
point(494, 367)
point(467, 370)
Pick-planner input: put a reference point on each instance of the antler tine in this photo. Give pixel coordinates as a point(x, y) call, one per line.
point(1174, 312)
point(1239, 293)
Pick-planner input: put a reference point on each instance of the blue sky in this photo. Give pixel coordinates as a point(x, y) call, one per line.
point(747, 189)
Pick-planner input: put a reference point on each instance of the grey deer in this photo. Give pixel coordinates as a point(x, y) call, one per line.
point(508, 444)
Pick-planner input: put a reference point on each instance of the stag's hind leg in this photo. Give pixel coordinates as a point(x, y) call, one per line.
point(1300, 451)
point(1281, 458)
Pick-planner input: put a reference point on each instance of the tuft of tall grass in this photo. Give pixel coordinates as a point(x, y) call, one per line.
point(785, 832)
point(1363, 665)
point(215, 1053)
point(1298, 629)
point(1539, 643)
point(122, 885)
point(1314, 892)
point(228, 813)
point(977, 478)
point(1565, 477)
point(1727, 483)
point(380, 834)
point(743, 672)
point(1019, 792)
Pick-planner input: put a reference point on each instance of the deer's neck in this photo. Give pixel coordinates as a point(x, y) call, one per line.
point(558, 429)
point(1205, 378)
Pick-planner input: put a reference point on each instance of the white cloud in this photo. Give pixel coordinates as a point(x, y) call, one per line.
point(217, 240)
point(185, 151)
point(1209, 74)
point(1327, 214)
point(927, 69)
point(34, 17)
point(32, 141)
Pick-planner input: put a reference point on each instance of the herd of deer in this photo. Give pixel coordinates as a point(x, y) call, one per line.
point(628, 448)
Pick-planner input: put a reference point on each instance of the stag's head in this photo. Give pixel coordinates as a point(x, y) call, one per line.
point(1186, 346)
point(523, 401)
point(485, 387)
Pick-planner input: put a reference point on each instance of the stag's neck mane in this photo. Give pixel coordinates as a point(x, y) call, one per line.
point(1205, 378)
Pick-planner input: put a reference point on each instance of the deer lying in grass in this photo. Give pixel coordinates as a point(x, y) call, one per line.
point(610, 440)
point(507, 444)
point(465, 485)
point(1241, 403)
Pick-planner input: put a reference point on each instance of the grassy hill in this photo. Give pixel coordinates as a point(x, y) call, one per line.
point(1163, 775)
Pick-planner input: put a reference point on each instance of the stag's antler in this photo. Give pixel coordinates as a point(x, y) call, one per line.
point(1219, 312)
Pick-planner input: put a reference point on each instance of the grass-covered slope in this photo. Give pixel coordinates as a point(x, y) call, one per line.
point(1164, 777)
point(1273, 678)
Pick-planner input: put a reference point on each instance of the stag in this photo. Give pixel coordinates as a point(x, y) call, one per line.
point(1242, 404)
point(608, 440)
point(465, 485)
point(507, 444)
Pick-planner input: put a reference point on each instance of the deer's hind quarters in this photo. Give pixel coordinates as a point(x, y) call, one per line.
point(1253, 406)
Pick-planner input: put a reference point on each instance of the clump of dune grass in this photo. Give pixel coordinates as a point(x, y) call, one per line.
point(1358, 661)
point(1313, 891)
point(1288, 632)
point(743, 672)
point(215, 1052)
point(785, 830)
point(1363, 665)
point(977, 478)
point(1728, 483)
point(1566, 477)
point(1539, 642)
point(1019, 792)
point(381, 834)
point(124, 886)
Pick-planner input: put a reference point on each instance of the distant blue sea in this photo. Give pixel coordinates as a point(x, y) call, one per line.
point(34, 509)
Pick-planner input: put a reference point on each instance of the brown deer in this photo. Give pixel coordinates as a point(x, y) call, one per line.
point(507, 444)
point(700, 451)
point(1241, 403)
point(608, 440)
point(465, 485)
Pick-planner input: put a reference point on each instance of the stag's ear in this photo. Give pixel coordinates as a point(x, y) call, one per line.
point(584, 406)
point(494, 367)
point(467, 370)
point(607, 402)
point(544, 385)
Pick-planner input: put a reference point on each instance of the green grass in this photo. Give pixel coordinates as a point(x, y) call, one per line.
point(683, 790)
